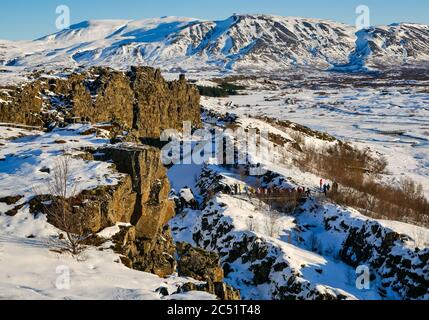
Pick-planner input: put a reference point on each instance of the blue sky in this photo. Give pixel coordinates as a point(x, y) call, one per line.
point(29, 19)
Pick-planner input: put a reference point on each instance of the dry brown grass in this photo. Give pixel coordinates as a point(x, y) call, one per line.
point(356, 172)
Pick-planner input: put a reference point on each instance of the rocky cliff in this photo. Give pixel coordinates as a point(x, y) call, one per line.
point(139, 100)
point(21, 104)
point(150, 247)
point(400, 268)
point(140, 200)
point(152, 209)
point(136, 104)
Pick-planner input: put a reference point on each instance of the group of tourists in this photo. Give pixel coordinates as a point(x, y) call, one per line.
point(326, 187)
point(239, 189)
point(275, 191)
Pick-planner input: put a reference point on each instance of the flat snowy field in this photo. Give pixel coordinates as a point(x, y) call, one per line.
point(392, 121)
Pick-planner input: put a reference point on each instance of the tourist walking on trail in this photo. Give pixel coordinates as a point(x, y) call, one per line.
point(325, 189)
point(251, 190)
point(321, 184)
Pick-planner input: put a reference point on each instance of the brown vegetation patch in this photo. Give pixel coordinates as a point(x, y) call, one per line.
point(356, 171)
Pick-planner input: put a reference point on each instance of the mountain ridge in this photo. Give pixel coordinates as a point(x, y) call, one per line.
point(240, 43)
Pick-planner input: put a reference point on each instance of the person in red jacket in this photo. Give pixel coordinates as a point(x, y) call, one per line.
point(321, 184)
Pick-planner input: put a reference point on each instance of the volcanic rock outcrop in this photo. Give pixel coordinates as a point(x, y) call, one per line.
point(140, 100)
point(152, 208)
point(203, 266)
point(140, 200)
point(142, 104)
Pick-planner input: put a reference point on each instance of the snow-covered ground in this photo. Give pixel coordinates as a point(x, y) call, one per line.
point(330, 271)
point(24, 160)
point(31, 266)
point(301, 241)
point(31, 269)
point(306, 245)
point(393, 121)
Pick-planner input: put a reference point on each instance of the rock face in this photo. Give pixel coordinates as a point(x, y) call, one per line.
point(96, 209)
point(103, 207)
point(149, 245)
point(140, 100)
point(198, 264)
point(220, 289)
point(156, 257)
point(152, 209)
point(22, 105)
point(203, 266)
point(402, 269)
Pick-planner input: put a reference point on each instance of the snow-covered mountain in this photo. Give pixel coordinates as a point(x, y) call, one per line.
point(393, 45)
point(240, 43)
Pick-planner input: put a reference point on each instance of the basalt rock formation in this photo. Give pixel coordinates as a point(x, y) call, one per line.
point(138, 253)
point(402, 269)
point(152, 208)
point(140, 100)
point(198, 264)
point(204, 266)
point(147, 245)
point(140, 199)
point(22, 105)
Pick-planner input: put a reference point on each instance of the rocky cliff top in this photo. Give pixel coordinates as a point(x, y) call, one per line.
point(139, 101)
